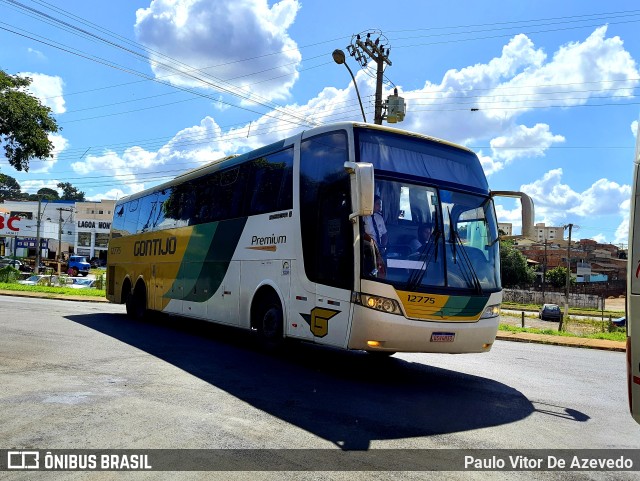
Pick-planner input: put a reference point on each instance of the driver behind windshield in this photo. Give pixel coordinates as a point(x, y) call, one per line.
point(424, 233)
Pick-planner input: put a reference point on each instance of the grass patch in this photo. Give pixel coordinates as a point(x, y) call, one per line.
point(618, 335)
point(65, 291)
point(533, 330)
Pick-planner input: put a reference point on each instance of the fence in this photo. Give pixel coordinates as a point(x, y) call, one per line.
point(536, 297)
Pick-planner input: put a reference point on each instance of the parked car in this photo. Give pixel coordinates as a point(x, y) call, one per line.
point(81, 283)
point(16, 264)
point(620, 322)
point(78, 265)
point(40, 280)
point(96, 262)
point(550, 312)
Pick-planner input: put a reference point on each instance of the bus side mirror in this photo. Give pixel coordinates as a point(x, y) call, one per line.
point(528, 211)
point(362, 187)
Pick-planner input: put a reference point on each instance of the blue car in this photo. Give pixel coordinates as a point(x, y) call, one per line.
point(620, 322)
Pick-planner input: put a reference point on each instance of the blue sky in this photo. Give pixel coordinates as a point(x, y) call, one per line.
point(146, 90)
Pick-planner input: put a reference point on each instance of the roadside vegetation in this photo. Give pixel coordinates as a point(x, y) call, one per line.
point(9, 278)
point(597, 326)
point(573, 311)
point(52, 290)
point(618, 334)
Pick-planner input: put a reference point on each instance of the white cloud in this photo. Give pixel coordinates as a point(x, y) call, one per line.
point(522, 141)
point(622, 232)
point(48, 89)
point(33, 186)
point(557, 203)
point(521, 79)
point(36, 53)
point(556, 200)
point(112, 194)
point(634, 128)
point(37, 166)
point(490, 165)
point(137, 168)
point(219, 37)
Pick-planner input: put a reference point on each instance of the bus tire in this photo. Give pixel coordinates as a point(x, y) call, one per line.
point(380, 354)
point(270, 323)
point(129, 305)
point(137, 303)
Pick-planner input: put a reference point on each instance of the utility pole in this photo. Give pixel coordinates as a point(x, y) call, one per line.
point(60, 209)
point(566, 304)
point(379, 53)
point(36, 270)
point(544, 269)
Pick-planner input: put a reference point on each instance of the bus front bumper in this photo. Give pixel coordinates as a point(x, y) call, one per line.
point(373, 330)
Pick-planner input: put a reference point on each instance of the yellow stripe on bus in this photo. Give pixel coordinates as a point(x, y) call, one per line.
point(419, 305)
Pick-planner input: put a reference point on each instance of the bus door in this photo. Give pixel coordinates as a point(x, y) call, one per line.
point(330, 319)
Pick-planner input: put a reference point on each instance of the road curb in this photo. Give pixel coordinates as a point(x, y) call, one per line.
point(45, 295)
point(602, 344)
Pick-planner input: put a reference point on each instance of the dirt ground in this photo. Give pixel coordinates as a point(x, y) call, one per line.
point(615, 304)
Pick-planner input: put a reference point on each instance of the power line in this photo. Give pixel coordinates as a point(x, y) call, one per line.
point(230, 89)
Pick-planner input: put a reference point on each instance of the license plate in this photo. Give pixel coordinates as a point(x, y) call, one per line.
point(443, 336)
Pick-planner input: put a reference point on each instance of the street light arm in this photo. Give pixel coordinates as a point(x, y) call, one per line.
point(339, 58)
point(357, 92)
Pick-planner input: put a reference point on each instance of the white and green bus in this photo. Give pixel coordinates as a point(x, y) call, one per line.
point(633, 291)
point(274, 241)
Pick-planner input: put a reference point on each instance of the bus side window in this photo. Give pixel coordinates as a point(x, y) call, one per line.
point(145, 218)
point(160, 219)
point(285, 199)
point(117, 227)
point(271, 183)
point(131, 217)
point(231, 192)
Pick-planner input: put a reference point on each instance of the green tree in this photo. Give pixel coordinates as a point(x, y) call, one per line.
point(48, 194)
point(513, 266)
point(557, 277)
point(24, 123)
point(69, 192)
point(9, 188)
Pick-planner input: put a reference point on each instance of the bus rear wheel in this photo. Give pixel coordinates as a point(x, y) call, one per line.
point(137, 303)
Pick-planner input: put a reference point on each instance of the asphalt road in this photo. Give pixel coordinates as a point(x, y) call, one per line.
point(81, 375)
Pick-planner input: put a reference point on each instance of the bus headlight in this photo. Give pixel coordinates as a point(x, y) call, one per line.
point(379, 303)
point(491, 311)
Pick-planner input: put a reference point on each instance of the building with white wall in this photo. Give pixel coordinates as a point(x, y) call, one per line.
point(69, 227)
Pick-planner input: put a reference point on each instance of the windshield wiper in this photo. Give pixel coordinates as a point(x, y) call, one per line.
point(466, 266)
point(428, 251)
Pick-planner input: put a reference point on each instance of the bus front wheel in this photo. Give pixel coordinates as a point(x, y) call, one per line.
point(270, 324)
point(380, 354)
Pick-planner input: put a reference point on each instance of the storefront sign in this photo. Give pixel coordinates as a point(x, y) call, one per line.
point(92, 224)
point(10, 225)
point(30, 243)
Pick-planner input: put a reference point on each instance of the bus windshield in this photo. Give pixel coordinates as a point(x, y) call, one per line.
point(424, 238)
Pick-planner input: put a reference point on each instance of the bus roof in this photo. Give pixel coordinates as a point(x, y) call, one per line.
point(235, 159)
